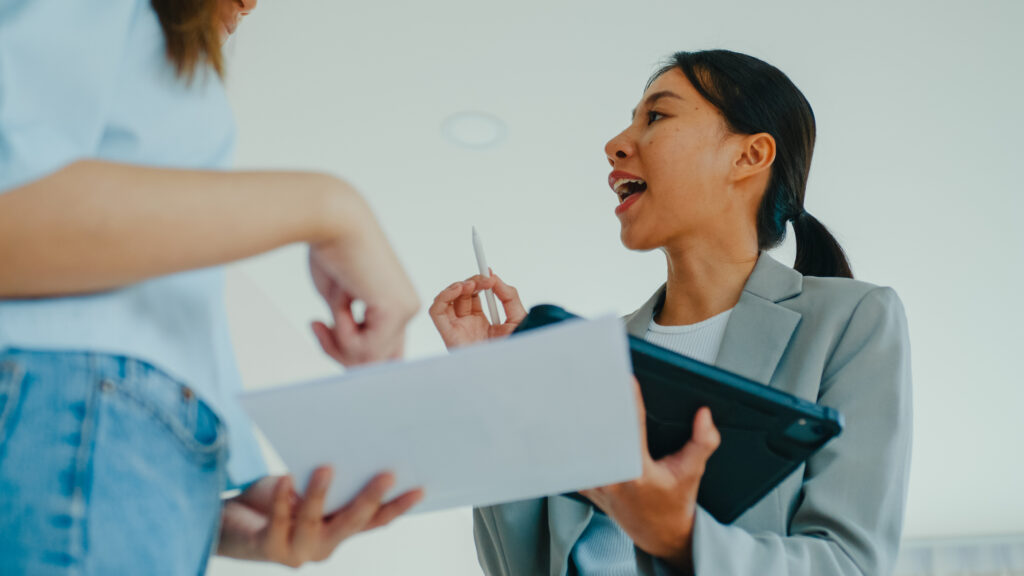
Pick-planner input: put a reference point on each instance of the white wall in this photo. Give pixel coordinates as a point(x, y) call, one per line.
point(919, 136)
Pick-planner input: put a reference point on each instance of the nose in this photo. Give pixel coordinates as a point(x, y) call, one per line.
point(618, 148)
point(247, 6)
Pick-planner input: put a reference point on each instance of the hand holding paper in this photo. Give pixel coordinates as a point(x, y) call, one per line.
point(270, 522)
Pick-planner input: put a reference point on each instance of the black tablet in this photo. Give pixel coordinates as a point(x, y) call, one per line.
point(766, 434)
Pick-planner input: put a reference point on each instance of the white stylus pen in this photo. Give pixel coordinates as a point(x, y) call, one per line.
point(485, 271)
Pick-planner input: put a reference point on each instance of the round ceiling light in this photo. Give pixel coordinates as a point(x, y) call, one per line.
point(471, 129)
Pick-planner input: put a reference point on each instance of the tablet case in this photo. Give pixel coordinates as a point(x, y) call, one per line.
point(766, 433)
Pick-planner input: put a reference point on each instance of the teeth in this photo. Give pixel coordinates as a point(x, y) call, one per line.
point(626, 186)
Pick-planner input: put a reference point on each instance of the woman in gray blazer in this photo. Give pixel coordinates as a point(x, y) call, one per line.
point(711, 169)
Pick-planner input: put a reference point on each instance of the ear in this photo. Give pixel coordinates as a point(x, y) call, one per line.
point(757, 154)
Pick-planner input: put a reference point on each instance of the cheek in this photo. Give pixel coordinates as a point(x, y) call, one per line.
point(674, 164)
point(699, 150)
point(686, 195)
point(228, 11)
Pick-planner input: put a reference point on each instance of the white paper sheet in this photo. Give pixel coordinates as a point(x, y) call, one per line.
point(540, 413)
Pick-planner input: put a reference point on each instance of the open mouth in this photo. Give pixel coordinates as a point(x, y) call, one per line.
point(627, 187)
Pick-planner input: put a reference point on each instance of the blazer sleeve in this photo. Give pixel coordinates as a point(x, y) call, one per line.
point(849, 517)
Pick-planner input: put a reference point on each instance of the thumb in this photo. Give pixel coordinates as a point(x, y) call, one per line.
point(703, 442)
point(641, 418)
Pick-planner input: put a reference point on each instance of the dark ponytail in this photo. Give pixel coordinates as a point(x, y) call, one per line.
point(817, 251)
point(756, 97)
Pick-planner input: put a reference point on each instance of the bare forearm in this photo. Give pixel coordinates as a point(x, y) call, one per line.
point(95, 226)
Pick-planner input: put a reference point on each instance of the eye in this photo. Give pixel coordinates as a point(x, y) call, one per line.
point(653, 116)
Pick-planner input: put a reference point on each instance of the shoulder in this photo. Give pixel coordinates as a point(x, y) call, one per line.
point(849, 319)
point(842, 297)
point(841, 318)
point(77, 18)
point(825, 302)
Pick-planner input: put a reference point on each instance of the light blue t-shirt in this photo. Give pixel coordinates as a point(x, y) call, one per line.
point(90, 79)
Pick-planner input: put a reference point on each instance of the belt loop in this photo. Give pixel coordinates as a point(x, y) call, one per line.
point(131, 370)
point(93, 366)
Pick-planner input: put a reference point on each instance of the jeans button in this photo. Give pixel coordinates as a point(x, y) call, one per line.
point(107, 385)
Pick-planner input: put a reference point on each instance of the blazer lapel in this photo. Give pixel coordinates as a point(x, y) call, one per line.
point(759, 328)
point(756, 337)
point(567, 519)
point(637, 322)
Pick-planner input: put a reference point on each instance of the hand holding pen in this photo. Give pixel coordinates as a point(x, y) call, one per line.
point(458, 313)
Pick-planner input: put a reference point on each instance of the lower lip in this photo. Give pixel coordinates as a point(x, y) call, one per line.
point(621, 208)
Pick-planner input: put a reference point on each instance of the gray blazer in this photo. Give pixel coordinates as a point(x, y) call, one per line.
point(837, 342)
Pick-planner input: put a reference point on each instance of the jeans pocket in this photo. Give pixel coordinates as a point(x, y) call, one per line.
point(11, 375)
point(195, 426)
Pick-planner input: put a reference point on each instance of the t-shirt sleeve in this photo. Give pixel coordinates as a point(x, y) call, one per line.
point(59, 61)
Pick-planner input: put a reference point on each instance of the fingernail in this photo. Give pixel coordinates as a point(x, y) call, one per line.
point(323, 479)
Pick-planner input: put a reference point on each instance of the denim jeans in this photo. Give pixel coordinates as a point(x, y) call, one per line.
point(107, 467)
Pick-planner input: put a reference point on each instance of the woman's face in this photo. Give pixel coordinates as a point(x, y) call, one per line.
point(671, 167)
point(231, 13)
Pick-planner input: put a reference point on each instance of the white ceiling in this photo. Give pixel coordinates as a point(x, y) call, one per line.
point(919, 138)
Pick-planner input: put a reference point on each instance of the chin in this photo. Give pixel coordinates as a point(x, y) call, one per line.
point(636, 242)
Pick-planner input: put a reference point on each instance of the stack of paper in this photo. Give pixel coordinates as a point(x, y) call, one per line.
point(540, 413)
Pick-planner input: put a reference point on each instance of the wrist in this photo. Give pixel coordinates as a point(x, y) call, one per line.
point(234, 540)
point(680, 558)
point(676, 549)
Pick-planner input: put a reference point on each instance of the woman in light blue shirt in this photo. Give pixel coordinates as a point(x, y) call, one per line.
point(117, 378)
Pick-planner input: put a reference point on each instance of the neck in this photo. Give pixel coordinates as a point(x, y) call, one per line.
point(704, 280)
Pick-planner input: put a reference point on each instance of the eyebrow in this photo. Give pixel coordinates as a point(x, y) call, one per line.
point(650, 100)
